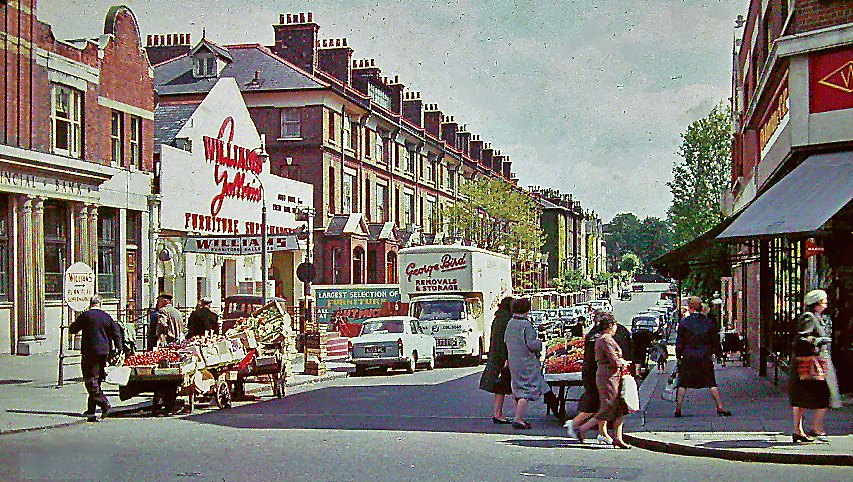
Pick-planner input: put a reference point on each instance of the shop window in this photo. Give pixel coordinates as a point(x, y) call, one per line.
point(66, 121)
point(290, 127)
point(5, 254)
point(108, 252)
point(358, 266)
point(135, 141)
point(117, 137)
point(57, 247)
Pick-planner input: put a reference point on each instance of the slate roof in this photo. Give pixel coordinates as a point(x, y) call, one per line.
point(176, 76)
point(379, 231)
point(216, 49)
point(168, 120)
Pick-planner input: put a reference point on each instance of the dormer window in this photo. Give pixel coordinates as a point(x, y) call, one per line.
point(204, 65)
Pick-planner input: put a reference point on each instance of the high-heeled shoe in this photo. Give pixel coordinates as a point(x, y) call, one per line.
point(502, 421)
point(723, 413)
point(801, 438)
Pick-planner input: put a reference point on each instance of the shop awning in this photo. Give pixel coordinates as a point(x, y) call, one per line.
point(801, 202)
point(703, 251)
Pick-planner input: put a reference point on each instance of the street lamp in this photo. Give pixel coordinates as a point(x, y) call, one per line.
point(262, 154)
point(306, 213)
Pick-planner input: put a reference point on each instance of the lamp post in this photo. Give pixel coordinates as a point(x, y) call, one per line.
point(262, 154)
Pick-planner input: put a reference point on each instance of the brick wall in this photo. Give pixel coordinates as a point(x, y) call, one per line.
point(817, 14)
point(19, 27)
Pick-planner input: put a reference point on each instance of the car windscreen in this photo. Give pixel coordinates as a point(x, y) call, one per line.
point(438, 310)
point(383, 326)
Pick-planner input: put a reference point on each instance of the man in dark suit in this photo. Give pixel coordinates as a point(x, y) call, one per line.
point(100, 339)
point(202, 320)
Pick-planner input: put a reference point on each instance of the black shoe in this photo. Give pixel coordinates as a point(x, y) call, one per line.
point(723, 413)
point(551, 402)
point(801, 438)
point(521, 425)
point(104, 411)
point(91, 418)
point(677, 413)
point(502, 421)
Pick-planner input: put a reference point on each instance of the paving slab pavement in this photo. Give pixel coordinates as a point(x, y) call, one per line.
point(30, 398)
point(758, 431)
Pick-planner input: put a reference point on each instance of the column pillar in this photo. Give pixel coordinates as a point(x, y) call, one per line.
point(38, 267)
point(26, 318)
point(80, 228)
point(92, 257)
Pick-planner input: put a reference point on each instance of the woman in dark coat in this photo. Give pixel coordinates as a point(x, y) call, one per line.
point(813, 339)
point(697, 341)
point(608, 379)
point(588, 403)
point(496, 377)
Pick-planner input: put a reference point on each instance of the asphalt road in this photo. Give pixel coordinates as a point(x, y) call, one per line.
point(431, 425)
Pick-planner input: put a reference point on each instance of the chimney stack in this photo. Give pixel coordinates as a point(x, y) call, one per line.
point(296, 40)
point(413, 108)
point(449, 128)
point(432, 120)
point(334, 57)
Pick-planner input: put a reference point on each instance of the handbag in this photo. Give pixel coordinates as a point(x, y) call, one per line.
point(671, 387)
point(117, 375)
point(811, 367)
point(629, 393)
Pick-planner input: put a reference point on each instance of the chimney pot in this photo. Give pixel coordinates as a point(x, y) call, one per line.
point(345, 41)
point(188, 39)
point(396, 79)
point(371, 62)
point(162, 40)
point(338, 43)
point(168, 39)
point(175, 39)
point(302, 17)
point(288, 18)
point(310, 17)
point(149, 40)
point(281, 19)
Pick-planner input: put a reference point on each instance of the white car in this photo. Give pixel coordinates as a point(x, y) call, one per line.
point(392, 342)
point(601, 305)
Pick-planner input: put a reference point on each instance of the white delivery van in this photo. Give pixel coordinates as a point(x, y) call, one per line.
point(454, 291)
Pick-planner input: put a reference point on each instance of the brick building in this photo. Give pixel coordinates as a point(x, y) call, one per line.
point(75, 169)
point(792, 172)
point(383, 164)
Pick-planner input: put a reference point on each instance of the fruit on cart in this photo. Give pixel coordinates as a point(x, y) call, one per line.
point(564, 355)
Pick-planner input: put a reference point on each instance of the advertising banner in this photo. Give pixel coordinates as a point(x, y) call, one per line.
point(831, 81)
point(351, 304)
point(237, 245)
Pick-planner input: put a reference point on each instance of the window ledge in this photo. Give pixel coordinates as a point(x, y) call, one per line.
point(290, 139)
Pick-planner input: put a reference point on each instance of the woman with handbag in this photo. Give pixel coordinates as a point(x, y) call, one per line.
point(608, 379)
point(496, 376)
point(523, 352)
point(813, 382)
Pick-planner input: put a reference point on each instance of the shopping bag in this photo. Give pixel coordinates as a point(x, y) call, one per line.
point(117, 375)
point(671, 387)
point(629, 393)
point(811, 367)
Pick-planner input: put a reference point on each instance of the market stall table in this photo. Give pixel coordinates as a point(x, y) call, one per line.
point(563, 382)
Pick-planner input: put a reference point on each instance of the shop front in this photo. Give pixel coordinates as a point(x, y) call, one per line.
point(215, 182)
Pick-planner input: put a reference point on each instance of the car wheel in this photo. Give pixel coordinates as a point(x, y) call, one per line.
point(413, 363)
point(431, 362)
point(359, 370)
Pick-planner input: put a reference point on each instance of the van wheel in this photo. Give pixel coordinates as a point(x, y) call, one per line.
point(431, 361)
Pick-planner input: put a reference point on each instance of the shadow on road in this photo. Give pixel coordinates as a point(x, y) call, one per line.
point(454, 406)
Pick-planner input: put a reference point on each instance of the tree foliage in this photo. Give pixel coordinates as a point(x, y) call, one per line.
point(701, 176)
point(492, 214)
point(648, 239)
point(630, 263)
point(571, 282)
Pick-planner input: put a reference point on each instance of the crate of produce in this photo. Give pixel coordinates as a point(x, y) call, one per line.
point(564, 355)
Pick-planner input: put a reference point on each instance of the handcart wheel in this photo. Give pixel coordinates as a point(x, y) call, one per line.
point(278, 385)
point(223, 396)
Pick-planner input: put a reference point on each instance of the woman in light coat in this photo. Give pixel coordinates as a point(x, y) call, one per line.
point(523, 350)
point(813, 338)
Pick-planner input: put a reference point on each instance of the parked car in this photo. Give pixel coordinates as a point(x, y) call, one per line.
point(649, 322)
point(601, 305)
point(392, 342)
point(637, 287)
point(659, 317)
point(576, 313)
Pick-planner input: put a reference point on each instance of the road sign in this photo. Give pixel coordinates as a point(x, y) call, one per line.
point(78, 286)
point(306, 272)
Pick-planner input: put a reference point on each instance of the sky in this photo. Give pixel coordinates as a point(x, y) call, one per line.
point(589, 97)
